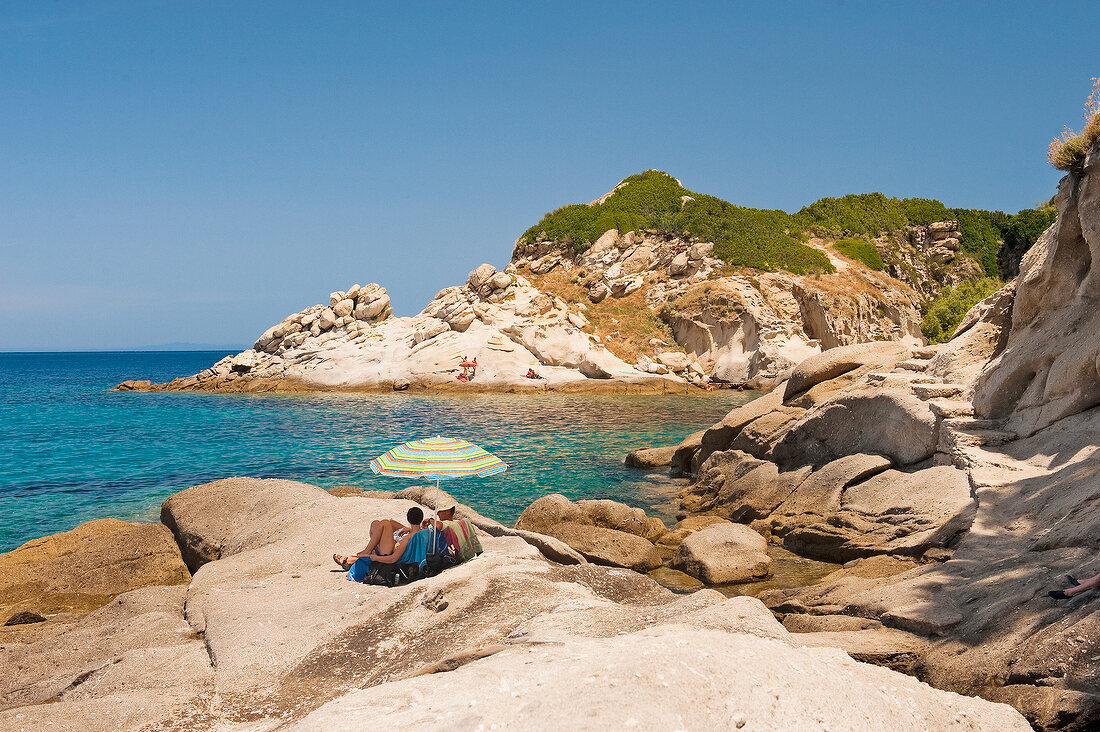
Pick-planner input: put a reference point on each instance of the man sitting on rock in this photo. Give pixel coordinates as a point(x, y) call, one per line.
point(459, 535)
point(388, 540)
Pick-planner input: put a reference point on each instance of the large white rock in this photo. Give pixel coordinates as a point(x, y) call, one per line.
point(666, 677)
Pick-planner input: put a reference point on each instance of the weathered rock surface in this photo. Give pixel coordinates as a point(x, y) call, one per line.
point(355, 344)
point(723, 554)
point(108, 670)
point(80, 570)
point(269, 632)
point(963, 525)
point(608, 546)
point(692, 679)
point(1048, 369)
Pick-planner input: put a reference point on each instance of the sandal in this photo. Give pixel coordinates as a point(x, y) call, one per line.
point(1072, 580)
point(1058, 594)
point(344, 562)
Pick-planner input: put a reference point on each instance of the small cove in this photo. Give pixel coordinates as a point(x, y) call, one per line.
point(76, 451)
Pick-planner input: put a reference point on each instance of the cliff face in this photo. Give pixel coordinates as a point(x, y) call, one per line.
point(739, 326)
point(960, 482)
point(1050, 368)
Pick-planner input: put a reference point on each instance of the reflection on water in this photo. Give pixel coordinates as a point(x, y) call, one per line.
point(788, 570)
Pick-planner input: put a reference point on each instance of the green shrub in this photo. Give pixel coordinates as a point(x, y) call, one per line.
point(866, 213)
point(1019, 233)
point(762, 239)
point(945, 313)
point(862, 251)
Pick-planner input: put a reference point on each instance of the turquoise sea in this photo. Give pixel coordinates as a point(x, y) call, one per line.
point(71, 450)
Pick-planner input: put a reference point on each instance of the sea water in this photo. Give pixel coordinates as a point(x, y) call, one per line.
point(72, 450)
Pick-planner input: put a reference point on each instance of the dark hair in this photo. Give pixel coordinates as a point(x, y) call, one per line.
point(415, 516)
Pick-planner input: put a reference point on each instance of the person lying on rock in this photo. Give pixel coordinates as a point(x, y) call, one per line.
point(1076, 587)
point(388, 540)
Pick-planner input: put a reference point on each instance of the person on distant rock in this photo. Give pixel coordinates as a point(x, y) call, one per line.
point(388, 540)
point(531, 374)
point(1076, 587)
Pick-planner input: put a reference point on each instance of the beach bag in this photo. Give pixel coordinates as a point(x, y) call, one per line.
point(439, 555)
point(391, 575)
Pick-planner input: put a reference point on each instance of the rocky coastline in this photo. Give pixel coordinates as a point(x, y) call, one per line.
point(236, 601)
point(955, 483)
point(636, 312)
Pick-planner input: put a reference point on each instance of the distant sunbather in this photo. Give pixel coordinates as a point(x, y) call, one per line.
point(531, 374)
point(388, 539)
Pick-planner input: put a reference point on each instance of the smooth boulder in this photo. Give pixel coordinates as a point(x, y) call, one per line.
point(83, 569)
point(608, 546)
point(724, 554)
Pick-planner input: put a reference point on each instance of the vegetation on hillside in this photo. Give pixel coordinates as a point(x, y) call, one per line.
point(945, 313)
point(861, 250)
point(1068, 151)
point(771, 239)
point(748, 237)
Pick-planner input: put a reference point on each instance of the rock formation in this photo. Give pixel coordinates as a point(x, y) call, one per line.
point(741, 328)
point(496, 318)
point(958, 482)
point(634, 306)
point(269, 634)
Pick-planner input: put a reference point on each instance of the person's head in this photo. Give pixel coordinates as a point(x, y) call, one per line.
point(414, 516)
point(447, 513)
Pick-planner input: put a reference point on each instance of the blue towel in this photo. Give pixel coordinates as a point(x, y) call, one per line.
point(422, 543)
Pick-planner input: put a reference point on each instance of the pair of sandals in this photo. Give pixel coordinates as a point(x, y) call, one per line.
point(1061, 594)
point(344, 562)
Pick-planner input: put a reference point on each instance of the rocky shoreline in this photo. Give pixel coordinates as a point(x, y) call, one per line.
point(956, 483)
point(257, 630)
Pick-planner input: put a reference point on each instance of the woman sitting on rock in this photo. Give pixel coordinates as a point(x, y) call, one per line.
point(388, 539)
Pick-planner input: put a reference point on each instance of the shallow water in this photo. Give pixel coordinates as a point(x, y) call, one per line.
point(72, 450)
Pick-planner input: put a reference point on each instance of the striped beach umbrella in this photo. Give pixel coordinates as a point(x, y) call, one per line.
point(438, 458)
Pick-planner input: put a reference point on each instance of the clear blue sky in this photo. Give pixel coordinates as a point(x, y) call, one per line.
point(195, 171)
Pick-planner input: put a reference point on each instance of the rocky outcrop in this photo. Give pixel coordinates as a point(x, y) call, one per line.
point(496, 318)
point(960, 482)
point(78, 571)
point(605, 532)
point(1050, 366)
point(269, 634)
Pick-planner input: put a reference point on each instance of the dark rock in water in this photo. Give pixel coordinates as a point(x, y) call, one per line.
point(25, 618)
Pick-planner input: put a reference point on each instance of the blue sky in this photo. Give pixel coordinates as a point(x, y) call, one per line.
point(194, 171)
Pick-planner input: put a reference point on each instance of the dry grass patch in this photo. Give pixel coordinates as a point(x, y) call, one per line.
point(625, 325)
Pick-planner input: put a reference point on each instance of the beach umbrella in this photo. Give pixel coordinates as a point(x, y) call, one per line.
point(439, 458)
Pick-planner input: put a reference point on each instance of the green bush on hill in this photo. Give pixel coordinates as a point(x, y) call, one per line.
point(945, 313)
point(862, 251)
point(748, 237)
point(771, 239)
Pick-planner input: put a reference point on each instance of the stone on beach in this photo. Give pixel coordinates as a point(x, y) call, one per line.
point(723, 553)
